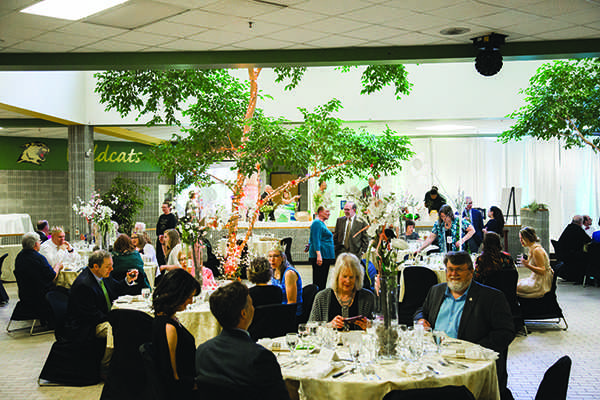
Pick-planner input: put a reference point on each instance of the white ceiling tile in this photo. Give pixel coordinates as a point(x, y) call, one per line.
point(172, 29)
point(117, 45)
point(262, 43)
point(32, 21)
point(581, 17)
point(333, 7)
point(412, 21)
point(66, 39)
point(259, 28)
point(203, 19)
point(375, 32)
point(571, 33)
point(91, 30)
point(594, 25)
point(504, 19)
point(18, 32)
point(147, 39)
point(298, 35)
point(375, 14)
point(410, 39)
point(554, 8)
point(43, 47)
point(291, 17)
point(241, 8)
point(135, 14)
point(337, 41)
point(467, 10)
point(335, 25)
point(419, 5)
point(189, 45)
point(539, 25)
point(190, 3)
point(16, 5)
point(219, 37)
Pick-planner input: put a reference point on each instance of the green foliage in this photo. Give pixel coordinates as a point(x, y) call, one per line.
point(374, 78)
point(125, 198)
point(563, 101)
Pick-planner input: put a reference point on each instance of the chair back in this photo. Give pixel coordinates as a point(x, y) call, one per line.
point(506, 281)
point(438, 393)
point(58, 301)
point(287, 245)
point(2, 258)
point(155, 389)
point(308, 298)
point(417, 282)
point(3, 295)
point(556, 248)
point(126, 377)
point(555, 383)
point(273, 320)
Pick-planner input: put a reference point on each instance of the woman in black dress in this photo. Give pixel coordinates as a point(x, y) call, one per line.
point(260, 273)
point(174, 346)
point(166, 221)
point(496, 221)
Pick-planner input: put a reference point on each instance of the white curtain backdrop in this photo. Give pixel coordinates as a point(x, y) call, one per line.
point(565, 180)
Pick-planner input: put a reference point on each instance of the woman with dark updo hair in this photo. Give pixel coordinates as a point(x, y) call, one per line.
point(260, 273)
point(492, 258)
point(495, 222)
point(174, 346)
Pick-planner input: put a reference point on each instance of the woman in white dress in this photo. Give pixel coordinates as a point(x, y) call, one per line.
point(540, 281)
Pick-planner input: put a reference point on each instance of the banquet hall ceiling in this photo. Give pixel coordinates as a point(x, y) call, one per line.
point(234, 33)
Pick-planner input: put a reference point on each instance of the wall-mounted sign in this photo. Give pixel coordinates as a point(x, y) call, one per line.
point(51, 155)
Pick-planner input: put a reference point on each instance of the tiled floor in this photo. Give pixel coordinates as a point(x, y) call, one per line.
point(22, 356)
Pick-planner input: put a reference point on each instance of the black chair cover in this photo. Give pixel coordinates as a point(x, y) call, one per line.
point(3, 295)
point(126, 377)
point(273, 320)
point(441, 393)
point(417, 282)
point(546, 307)
point(555, 383)
point(74, 363)
point(154, 389)
point(58, 301)
point(308, 298)
point(506, 282)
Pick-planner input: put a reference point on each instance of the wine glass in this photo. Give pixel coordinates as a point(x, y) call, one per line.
point(438, 338)
point(303, 333)
point(354, 343)
point(292, 339)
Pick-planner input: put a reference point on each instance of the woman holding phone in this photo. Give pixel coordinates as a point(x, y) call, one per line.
point(346, 305)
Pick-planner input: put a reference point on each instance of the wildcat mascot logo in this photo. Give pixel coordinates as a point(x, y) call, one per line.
point(35, 153)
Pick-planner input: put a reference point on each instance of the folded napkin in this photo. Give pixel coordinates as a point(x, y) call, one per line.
point(313, 369)
point(124, 299)
point(470, 353)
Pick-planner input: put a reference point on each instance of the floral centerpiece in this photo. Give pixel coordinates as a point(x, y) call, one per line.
point(192, 231)
point(97, 215)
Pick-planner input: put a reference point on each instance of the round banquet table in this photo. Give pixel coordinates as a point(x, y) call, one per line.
point(197, 319)
point(304, 381)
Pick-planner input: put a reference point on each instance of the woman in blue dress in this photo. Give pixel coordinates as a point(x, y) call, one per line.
point(321, 253)
point(286, 277)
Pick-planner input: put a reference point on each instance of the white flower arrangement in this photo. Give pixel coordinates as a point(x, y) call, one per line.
point(95, 213)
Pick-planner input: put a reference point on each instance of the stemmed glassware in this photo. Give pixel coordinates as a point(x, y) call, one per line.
point(303, 333)
point(353, 341)
point(438, 338)
point(292, 340)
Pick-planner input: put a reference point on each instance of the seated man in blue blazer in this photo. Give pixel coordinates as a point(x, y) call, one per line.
point(467, 310)
point(232, 365)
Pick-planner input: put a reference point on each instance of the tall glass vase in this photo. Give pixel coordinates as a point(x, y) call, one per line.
point(387, 333)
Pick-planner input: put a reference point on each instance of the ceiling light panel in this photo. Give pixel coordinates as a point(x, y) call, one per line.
point(70, 9)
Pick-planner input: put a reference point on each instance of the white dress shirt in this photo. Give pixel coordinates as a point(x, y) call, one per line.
point(56, 255)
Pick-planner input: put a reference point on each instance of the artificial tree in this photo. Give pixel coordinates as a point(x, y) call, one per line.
point(226, 125)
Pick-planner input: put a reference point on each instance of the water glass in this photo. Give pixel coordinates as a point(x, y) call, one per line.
point(438, 339)
point(292, 340)
point(303, 333)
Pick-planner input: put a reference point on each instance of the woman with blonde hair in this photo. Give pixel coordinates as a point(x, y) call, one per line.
point(346, 298)
point(540, 281)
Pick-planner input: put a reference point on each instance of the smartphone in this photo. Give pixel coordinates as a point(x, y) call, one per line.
point(352, 319)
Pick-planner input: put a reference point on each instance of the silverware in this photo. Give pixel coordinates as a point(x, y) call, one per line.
point(342, 373)
point(445, 362)
point(429, 367)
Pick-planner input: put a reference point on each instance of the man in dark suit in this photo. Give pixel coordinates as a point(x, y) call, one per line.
point(43, 229)
point(570, 251)
point(91, 297)
point(474, 216)
point(232, 365)
point(372, 190)
point(467, 310)
point(35, 277)
point(346, 238)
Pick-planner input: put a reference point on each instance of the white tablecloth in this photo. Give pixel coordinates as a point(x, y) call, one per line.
point(67, 277)
point(199, 320)
point(480, 377)
point(9, 263)
point(12, 224)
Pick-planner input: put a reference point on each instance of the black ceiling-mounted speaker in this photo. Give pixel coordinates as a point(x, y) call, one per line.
point(489, 60)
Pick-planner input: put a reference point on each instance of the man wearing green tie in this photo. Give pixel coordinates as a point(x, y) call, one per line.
point(91, 298)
